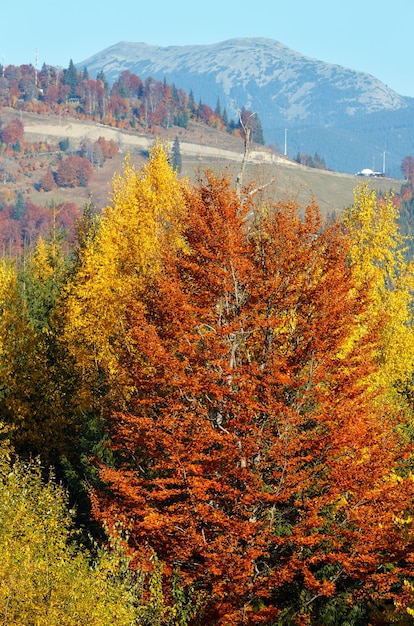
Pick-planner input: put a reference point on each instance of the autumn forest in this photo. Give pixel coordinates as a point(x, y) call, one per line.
point(206, 395)
point(207, 405)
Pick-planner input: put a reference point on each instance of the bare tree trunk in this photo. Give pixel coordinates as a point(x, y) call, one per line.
point(239, 179)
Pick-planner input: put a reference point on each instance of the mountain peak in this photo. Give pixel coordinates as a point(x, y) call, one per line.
point(285, 88)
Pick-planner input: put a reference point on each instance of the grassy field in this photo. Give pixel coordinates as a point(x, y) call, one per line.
point(333, 191)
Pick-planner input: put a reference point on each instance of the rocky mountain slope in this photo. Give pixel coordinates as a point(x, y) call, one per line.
point(349, 118)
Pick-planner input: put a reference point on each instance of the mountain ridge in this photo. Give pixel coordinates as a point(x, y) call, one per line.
point(321, 104)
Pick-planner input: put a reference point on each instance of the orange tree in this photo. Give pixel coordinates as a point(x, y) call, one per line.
point(252, 456)
point(74, 171)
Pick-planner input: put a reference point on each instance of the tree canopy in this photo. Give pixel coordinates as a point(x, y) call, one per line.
point(228, 379)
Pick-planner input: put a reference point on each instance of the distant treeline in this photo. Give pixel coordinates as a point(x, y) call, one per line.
point(129, 103)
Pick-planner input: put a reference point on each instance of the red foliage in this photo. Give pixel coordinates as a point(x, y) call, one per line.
point(206, 113)
point(51, 95)
point(48, 181)
point(10, 232)
point(407, 167)
point(406, 193)
point(36, 222)
point(13, 132)
point(74, 171)
point(109, 148)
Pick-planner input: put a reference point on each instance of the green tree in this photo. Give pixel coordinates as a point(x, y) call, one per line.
point(176, 155)
point(101, 76)
point(257, 131)
point(71, 78)
point(64, 144)
point(192, 103)
point(225, 118)
point(217, 110)
point(19, 208)
point(35, 384)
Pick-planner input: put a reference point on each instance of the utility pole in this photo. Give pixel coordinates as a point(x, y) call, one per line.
point(383, 163)
point(285, 153)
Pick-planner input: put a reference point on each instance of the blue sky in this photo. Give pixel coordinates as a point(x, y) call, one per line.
point(370, 36)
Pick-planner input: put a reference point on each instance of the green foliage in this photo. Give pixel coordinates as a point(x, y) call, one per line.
point(64, 144)
point(41, 280)
point(257, 133)
point(35, 379)
point(71, 78)
point(176, 156)
point(316, 162)
point(178, 610)
point(181, 119)
point(19, 208)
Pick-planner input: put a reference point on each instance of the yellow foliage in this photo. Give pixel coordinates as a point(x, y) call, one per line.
point(143, 224)
point(44, 579)
point(377, 258)
point(42, 268)
point(8, 296)
point(47, 578)
point(409, 587)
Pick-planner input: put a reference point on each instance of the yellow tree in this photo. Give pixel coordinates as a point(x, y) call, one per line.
point(377, 255)
point(143, 222)
point(48, 578)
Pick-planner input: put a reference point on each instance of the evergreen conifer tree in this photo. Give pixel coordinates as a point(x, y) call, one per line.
point(176, 155)
point(225, 118)
point(71, 78)
point(19, 208)
point(218, 108)
point(257, 131)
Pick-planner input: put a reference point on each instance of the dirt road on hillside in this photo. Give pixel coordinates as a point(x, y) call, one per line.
point(75, 130)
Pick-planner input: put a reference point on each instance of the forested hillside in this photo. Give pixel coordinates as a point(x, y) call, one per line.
point(223, 386)
point(127, 103)
point(32, 171)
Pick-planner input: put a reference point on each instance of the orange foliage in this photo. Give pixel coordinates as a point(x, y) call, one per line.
point(109, 148)
point(251, 457)
point(48, 182)
point(13, 132)
point(74, 171)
